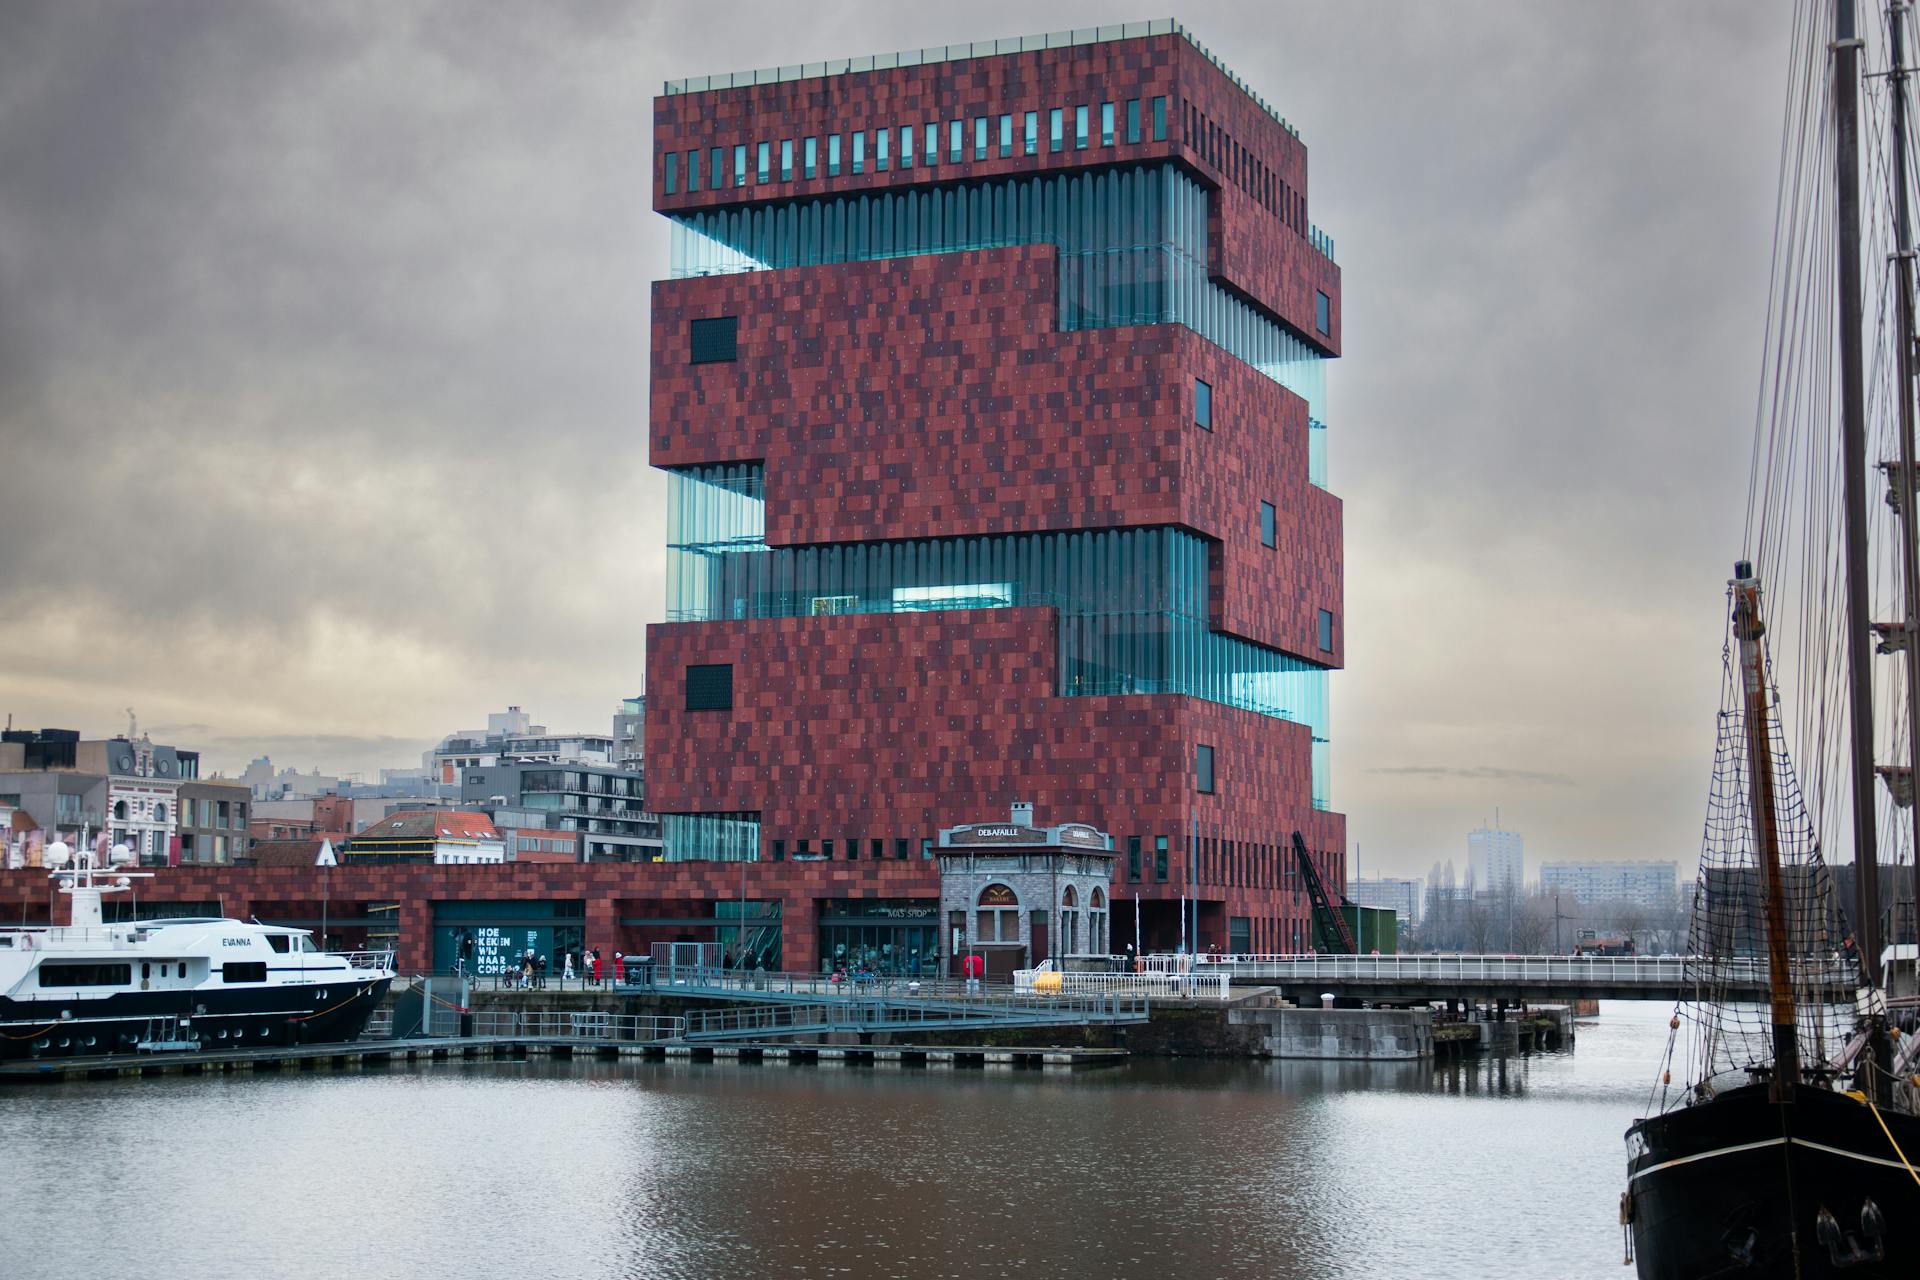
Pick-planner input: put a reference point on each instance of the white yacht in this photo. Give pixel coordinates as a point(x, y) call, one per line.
point(177, 984)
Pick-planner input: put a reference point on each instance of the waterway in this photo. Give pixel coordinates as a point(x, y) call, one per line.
point(586, 1170)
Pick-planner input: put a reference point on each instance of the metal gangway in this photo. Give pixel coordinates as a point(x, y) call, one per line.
point(866, 1014)
point(820, 1003)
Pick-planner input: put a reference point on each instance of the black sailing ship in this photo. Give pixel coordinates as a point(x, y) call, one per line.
point(1789, 1147)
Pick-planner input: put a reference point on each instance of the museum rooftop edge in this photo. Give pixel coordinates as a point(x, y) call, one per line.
point(977, 49)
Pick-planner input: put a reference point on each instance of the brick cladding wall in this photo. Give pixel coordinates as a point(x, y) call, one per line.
point(890, 725)
point(934, 396)
point(1267, 261)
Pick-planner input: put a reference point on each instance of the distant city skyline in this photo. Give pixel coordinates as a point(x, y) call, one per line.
point(319, 487)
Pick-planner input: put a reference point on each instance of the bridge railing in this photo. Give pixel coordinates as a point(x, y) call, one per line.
point(1597, 971)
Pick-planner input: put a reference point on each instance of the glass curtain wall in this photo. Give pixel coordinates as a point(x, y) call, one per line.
point(710, 837)
point(1132, 249)
point(1133, 603)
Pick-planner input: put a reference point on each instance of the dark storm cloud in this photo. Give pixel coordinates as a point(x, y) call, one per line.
point(323, 342)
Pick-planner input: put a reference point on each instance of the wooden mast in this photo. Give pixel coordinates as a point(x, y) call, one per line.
point(1853, 457)
point(1904, 484)
point(1747, 630)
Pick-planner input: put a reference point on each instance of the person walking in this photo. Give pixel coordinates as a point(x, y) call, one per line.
point(594, 963)
point(566, 967)
point(619, 969)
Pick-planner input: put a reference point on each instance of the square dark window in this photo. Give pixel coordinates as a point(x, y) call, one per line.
point(710, 687)
point(716, 341)
point(900, 848)
point(1266, 524)
point(1203, 404)
point(1133, 119)
point(1133, 857)
point(1159, 119)
point(673, 172)
point(1326, 631)
point(779, 850)
point(1322, 312)
point(1203, 768)
point(1160, 858)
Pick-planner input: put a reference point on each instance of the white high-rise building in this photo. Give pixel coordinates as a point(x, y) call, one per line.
point(1646, 884)
point(1496, 859)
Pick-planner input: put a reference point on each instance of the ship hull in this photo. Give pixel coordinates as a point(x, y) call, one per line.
point(1735, 1187)
point(246, 1018)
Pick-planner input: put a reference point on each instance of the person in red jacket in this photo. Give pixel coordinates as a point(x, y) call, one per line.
point(619, 969)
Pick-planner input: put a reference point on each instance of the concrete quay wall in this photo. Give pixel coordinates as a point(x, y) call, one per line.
point(1349, 1035)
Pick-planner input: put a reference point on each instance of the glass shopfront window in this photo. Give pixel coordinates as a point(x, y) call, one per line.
point(488, 938)
point(884, 937)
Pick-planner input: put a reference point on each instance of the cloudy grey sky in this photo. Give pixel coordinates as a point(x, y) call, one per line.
point(323, 337)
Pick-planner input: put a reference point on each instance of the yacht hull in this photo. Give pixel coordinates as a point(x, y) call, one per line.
point(1737, 1187)
point(235, 1018)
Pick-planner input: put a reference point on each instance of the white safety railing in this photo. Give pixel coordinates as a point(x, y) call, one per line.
point(1047, 980)
point(364, 959)
point(1591, 970)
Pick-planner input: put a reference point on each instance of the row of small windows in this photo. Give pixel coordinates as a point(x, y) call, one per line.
point(879, 150)
point(1245, 170)
point(877, 849)
point(1220, 860)
point(991, 137)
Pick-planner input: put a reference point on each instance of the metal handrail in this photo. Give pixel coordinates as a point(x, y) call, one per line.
point(561, 1024)
point(1652, 970)
point(1216, 985)
point(364, 959)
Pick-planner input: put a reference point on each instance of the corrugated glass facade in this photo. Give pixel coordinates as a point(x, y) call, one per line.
point(1133, 602)
point(710, 837)
point(1132, 247)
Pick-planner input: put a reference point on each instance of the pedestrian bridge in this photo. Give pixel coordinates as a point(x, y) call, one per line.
point(1424, 978)
point(783, 1004)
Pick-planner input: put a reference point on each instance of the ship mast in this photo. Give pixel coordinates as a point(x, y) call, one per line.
point(1747, 630)
point(1853, 457)
point(1904, 487)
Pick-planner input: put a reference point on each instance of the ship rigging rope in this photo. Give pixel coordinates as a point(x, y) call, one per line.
point(1890, 1140)
point(1796, 479)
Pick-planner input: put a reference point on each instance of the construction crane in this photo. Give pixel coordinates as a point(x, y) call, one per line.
point(1333, 924)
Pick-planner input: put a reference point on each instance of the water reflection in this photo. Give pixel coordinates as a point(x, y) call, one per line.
point(588, 1169)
